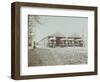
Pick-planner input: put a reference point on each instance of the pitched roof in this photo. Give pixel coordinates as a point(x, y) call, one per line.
point(75, 36)
point(58, 34)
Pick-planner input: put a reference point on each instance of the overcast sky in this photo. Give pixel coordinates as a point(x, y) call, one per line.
point(63, 24)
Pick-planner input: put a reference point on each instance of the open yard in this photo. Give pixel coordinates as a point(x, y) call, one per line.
point(57, 56)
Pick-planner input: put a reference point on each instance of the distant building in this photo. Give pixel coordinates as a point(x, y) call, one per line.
point(60, 40)
point(75, 40)
point(57, 40)
point(54, 40)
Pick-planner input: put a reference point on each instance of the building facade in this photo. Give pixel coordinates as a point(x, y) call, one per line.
point(60, 40)
point(75, 40)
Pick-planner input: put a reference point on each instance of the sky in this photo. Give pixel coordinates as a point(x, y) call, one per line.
point(63, 24)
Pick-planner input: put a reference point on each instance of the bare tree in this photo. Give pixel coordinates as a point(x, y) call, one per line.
point(33, 20)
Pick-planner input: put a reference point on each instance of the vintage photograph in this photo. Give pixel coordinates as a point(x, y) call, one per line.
point(57, 40)
point(53, 40)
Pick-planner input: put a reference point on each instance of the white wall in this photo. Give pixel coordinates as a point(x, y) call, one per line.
point(5, 40)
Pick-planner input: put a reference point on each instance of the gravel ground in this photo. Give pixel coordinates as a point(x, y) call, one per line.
point(57, 56)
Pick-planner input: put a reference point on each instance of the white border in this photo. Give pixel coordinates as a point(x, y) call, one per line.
point(25, 70)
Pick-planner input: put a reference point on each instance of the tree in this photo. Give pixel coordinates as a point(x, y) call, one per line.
point(33, 20)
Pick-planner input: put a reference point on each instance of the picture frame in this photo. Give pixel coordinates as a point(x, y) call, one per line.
point(21, 18)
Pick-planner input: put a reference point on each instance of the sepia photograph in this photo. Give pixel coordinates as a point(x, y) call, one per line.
point(57, 40)
point(53, 40)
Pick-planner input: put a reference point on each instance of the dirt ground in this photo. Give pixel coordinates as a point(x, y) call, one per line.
point(57, 56)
